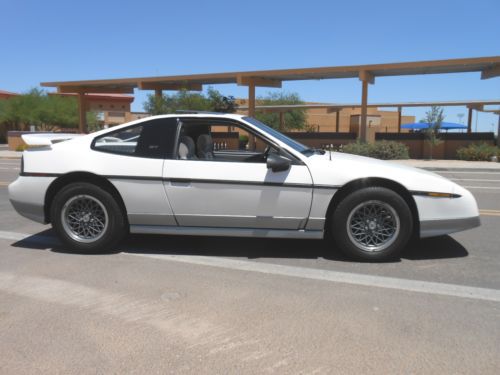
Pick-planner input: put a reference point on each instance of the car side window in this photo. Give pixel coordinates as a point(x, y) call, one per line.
point(151, 139)
point(219, 140)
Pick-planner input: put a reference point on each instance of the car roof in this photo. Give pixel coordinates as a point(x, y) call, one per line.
point(197, 115)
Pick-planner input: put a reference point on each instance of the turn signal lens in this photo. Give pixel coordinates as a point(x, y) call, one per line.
point(441, 195)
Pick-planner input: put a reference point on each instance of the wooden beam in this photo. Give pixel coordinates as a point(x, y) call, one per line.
point(399, 119)
point(364, 110)
point(469, 121)
point(282, 121)
point(82, 112)
point(258, 82)
point(477, 107)
point(158, 93)
point(331, 72)
point(366, 76)
point(337, 122)
point(251, 100)
point(170, 86)
point(498, 130)
point(251, 112)
point(94, 90)
point(492, 72)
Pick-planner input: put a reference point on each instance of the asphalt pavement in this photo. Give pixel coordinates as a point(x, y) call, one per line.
point(166, 304)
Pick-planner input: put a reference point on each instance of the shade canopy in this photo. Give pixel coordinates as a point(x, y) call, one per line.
point(426, 125)
point(488, 66)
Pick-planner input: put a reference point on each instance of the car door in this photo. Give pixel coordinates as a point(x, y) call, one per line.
point(232, 192)
point(132, 158)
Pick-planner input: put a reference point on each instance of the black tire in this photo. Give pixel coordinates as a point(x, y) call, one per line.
point(372, 223)
point(93, 204)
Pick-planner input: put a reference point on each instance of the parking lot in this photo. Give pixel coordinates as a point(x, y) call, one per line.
point(232, 305)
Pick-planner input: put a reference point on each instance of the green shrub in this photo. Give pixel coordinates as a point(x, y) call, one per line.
point(21, 147)
point(478, 152)
point(357, 148)
point(388, 150)
point(385, 150)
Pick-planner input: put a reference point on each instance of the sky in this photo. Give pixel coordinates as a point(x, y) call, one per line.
point(69, 40)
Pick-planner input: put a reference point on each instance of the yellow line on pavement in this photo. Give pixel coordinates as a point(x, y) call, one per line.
point(489, 212)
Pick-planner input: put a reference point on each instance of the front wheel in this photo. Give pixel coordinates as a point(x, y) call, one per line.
point(87, 218)
point(373, 223)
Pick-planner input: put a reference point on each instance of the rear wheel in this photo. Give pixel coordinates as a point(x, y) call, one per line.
point(373, 223)
point(87, 218)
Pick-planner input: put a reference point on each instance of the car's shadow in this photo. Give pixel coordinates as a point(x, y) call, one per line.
point(251, 248)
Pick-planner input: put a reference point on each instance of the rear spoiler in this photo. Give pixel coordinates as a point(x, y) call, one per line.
point(47, 139)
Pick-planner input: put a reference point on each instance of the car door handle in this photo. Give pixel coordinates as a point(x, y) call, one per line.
point(180, 183)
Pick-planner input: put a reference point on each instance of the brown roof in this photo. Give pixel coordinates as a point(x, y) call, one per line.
point(101, 96)
point(7, 94)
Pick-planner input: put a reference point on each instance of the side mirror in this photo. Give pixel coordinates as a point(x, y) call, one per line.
point(277, 163)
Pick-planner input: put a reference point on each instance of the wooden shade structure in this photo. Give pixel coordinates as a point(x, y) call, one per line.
point(489, 67)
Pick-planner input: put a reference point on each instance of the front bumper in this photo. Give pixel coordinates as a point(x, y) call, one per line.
point(440, 216)
point(432, 228)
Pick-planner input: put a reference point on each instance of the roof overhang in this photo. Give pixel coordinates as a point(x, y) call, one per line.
point(489, 67)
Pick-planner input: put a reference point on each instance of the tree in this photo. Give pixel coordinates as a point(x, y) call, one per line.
point(221, 103)
point(294, 119)
point(185, 100)
point(46, 112)
point(434, 118)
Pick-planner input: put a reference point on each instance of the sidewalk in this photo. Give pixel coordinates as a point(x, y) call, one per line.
point(6, 154)
point(451, 165)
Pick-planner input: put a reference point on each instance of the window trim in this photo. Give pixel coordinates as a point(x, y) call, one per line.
point(143, 124)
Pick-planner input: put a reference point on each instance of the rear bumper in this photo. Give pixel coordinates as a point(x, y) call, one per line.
point(27, 196)
point(31, 211)
point(432, 228)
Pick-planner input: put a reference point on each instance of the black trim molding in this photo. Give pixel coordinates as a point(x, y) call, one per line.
point(191, 180)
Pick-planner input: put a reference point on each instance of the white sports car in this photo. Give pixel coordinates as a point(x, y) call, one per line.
point(228, 175)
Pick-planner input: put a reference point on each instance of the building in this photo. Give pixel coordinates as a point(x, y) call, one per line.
point(379, 120)
point(111, 109)
point(323, 120)
point(7, 94)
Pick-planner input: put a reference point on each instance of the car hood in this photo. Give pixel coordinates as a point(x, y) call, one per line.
point(341, 168)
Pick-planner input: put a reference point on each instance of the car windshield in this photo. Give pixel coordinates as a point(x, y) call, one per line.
point(283, 138)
